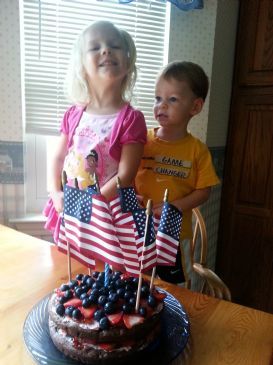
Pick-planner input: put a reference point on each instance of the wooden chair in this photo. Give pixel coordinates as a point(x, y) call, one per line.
point(211, 283)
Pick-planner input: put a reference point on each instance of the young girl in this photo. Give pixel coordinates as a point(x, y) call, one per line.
point(102, 75)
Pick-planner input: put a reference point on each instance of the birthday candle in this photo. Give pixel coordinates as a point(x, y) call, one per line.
point(106, 274)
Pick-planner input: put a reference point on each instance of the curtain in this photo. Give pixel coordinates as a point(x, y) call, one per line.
point(181, 4)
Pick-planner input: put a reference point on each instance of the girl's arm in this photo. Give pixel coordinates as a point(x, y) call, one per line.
point(188, 202)
point(55, 173)
point(128, 165)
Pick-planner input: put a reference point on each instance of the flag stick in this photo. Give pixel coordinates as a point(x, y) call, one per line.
point(76, 184)
point(64, 178)
point(165, 199)
point(95, 176)
point(148, 213)
point(152, 279)
point(118, 183)
point(106, 265)
point(68, 261)
point(64, 181)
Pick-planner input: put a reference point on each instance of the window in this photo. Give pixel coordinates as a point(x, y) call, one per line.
point(49, 29)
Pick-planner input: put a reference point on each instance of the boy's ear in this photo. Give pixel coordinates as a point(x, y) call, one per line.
point(197, 106)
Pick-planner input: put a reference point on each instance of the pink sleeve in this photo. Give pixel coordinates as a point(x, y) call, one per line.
point(130, 127)
point(134, 128)
point(70, 122)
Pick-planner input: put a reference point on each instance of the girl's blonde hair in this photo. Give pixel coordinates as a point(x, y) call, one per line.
point(77, 87)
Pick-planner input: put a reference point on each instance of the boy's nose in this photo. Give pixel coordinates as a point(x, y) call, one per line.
point(163, 105)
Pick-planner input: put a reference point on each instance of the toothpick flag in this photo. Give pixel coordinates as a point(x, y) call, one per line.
point(148, 241)
point(126, 233)
point(129, 203)
point(129, 220)
point(167, 237)
point(89, 226)
point(145, 239)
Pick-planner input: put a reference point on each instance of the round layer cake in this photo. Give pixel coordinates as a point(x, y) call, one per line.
point(98, 324)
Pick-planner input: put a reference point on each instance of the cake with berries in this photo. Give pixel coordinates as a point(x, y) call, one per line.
point(98, 324)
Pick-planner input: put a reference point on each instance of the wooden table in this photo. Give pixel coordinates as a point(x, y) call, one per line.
point(221, 332)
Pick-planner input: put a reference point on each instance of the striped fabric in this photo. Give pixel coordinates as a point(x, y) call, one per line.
point(89, 226)
point(74, 250)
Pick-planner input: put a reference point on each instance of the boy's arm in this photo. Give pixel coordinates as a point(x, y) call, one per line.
point(188, 202)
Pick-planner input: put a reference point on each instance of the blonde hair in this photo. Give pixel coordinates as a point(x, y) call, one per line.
point(77, 87)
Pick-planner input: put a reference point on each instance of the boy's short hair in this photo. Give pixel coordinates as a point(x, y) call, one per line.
point(190, 72)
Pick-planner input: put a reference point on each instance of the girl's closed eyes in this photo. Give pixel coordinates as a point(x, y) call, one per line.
point(97, 47)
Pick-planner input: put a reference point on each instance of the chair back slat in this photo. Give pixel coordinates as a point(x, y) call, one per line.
point(212, 284)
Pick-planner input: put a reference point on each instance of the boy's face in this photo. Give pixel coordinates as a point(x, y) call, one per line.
point(175, 103)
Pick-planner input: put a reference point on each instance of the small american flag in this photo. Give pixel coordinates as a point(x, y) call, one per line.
point(168, 233)
point(74, 251)
point(126, 233)
point(147, 240)
point(89, 226)
point(130, 220)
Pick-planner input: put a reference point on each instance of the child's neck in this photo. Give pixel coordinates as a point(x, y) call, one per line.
point(105, 103)
point(171, 134)
point(104, 108)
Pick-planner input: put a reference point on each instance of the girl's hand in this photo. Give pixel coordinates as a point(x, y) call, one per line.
point(58, 200)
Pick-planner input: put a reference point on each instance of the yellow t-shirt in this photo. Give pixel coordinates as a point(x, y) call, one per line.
point(180, 166)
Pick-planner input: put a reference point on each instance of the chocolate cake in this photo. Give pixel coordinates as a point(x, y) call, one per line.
point(98, 324)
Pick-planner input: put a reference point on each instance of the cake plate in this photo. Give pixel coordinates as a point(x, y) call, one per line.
point(174, 338)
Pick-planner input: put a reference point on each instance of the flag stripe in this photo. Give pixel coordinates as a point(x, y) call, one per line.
point(164, 253)
point(91, 242)
point(74, 253)
point(89, 226)
point(167, 241)
point(125, 230)
point(92, 233)
point(88, 248)
point(168, 233)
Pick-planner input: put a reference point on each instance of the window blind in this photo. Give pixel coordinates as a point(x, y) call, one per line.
point(49, 31)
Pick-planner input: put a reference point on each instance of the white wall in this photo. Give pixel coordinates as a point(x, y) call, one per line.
point(192, 39)
point(11, 128)
point(208, 38)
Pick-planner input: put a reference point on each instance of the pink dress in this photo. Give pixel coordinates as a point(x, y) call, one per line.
point(94, 144)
